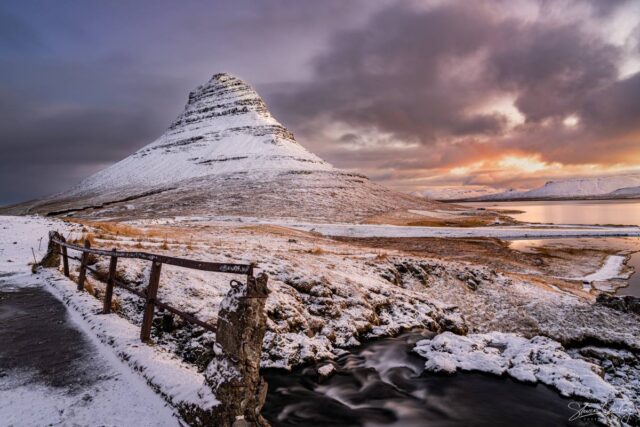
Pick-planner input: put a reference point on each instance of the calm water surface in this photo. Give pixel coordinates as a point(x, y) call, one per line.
point(634, 281)
point(592, 212)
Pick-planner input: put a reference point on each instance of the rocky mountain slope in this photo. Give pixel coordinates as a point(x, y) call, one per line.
point(605, 187)
point(224, 155)
point(455, 192)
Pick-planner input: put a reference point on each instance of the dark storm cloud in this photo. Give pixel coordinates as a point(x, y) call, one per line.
point(394, 74)
point(425, 76)
point(84, 84)
point(552, 69)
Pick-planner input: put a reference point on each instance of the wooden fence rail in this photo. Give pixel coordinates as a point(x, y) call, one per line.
point(150, 294)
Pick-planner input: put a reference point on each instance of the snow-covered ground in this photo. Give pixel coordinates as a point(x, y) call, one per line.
point(327, 295)
point(611, 269)
point(456, 192)
point(120, 397)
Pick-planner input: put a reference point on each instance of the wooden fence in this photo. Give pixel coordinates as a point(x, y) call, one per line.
point(151, 292)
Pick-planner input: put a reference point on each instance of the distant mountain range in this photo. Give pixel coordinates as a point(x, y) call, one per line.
point(456, 192)
point(624, 186)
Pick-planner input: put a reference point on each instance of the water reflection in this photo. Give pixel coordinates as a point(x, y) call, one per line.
point(634, 281)
point(587, 212)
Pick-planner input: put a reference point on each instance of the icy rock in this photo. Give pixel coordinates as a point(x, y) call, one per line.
point(536, 359)
point(233, 374)
point(325, 371)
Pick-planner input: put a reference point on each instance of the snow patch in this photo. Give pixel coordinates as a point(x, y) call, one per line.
point(611, 269)
point(538, 359)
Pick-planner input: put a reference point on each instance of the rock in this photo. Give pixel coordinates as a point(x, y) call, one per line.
point(452, 321)
point(52, 258)
point(325, 371)
point(627, 304)
point(234, 372)
point(633, 304)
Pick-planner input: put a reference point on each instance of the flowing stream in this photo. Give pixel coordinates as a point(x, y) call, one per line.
point(382, 384)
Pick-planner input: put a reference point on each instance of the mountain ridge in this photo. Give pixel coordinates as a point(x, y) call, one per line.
point(602, 187)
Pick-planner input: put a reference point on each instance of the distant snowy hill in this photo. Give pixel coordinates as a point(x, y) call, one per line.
point(455, 192)
point(225, 154)
point(627, 192)
point(615, 186)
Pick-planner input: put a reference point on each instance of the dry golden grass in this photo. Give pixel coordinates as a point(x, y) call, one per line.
point(88, 286)
point(382, 256)
point(115, 305)
point(316, 251)
point(164, 245)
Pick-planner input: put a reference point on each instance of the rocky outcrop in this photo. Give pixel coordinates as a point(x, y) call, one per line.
point(234, 372)
point(627, 304)
point(52, 258)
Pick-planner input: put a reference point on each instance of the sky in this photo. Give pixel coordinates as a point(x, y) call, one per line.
point(412, 93)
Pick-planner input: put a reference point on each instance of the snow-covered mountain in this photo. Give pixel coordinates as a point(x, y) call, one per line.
point(613, 186)
point(625, 193)
point(455, 192)
point(224, 128)
point(225, 154)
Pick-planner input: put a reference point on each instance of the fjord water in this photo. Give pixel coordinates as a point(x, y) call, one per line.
point(584, 212)
point(634, 281)
point(382, 384)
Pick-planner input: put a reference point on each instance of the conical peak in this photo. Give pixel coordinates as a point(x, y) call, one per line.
point(224, 128)
point(223, 95)
point(223, 86)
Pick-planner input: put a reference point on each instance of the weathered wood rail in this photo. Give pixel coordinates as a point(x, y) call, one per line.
point(233, 373)
point(150, 295)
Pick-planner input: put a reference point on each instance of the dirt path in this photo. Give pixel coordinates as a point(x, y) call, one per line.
point(52, 373)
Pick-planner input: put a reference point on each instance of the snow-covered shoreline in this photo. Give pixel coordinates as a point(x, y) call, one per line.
point(611, 269)
point(504, 232)
point(539, 359)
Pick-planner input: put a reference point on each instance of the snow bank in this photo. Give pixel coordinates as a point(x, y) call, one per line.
point(24, 239)
point(505, 232)
point(180, 384)
point(538, 359)
point(611, 269)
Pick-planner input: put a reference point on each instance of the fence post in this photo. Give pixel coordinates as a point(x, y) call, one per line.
point(83, 266)
point(152, 291)
point(108, 293)
point(65, 258)
point(242, 323)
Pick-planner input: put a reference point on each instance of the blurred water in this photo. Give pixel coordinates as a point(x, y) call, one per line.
point(382, 384)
